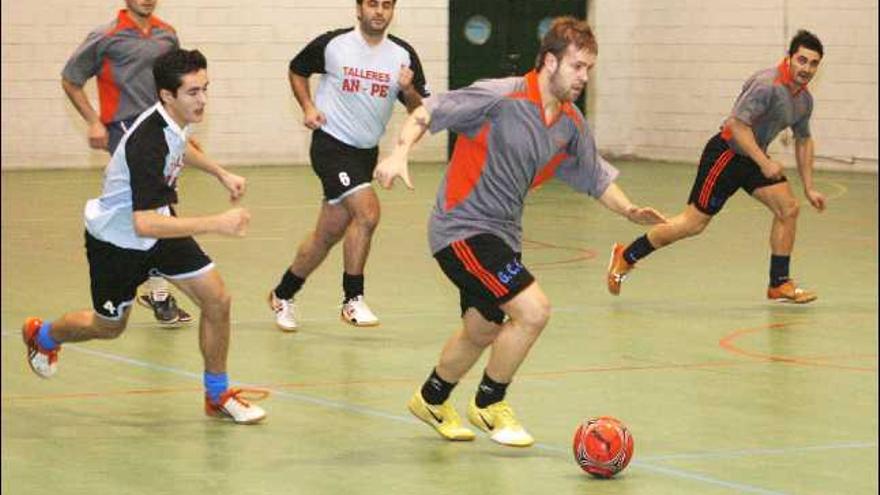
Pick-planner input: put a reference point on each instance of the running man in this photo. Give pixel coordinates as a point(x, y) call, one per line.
point(770, 101)
point(363, 72)
point(121, 55)
point(513, 134)
point(132, 232)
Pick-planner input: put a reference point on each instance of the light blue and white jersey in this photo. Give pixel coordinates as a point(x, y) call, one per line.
point(142, 175)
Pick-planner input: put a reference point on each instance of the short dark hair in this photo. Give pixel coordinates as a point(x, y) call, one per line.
point(565, 31)
point(393, 2)
point(805, 39)
point(170, 67)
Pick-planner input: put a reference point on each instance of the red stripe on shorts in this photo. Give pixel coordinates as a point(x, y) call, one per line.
point(712, 178)
point(473, 266)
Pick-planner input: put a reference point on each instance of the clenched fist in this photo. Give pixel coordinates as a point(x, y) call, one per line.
point(233, 222)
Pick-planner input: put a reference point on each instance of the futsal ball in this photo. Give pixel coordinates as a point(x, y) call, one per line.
point(603, 446)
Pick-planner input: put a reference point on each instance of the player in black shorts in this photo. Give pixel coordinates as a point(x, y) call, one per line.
point(132, 232)
point(363, 72)
point(514, 133)
point(120, 56)
point(771, 100)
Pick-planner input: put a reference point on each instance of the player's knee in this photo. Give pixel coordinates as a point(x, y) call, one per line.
point(368, 219)
point(483, 337)
point(789, 211)
point(536, 319)
point(217, 307)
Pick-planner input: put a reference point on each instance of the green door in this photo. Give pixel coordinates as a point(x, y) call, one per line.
point(497, 38)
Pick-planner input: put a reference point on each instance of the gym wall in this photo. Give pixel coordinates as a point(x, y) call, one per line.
point(667, 75)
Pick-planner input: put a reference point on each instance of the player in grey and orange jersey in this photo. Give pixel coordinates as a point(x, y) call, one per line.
point(513, 134)
point(771, 100)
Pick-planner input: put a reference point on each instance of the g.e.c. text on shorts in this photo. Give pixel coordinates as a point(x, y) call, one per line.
point(486, 271)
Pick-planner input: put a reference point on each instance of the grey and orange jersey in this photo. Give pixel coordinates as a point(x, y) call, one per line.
point(505, 147)
point(359, 82)
point(768, 106)
point(121, 56)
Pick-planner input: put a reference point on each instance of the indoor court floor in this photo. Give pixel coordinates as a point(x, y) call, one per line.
point(724, 392)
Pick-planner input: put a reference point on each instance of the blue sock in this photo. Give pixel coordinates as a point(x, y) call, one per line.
point(215, 385)
point(44, 339)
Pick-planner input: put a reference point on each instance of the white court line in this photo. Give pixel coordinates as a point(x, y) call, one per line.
point(349, 407)
point(761, 452)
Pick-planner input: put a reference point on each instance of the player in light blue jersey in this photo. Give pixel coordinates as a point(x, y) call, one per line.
point(132, 232)
point(120, 56)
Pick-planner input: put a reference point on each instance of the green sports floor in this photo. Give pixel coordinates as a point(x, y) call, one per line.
point(724, 392)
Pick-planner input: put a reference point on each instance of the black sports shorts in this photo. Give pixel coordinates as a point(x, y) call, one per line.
point(117, 272)
point(486, 271)
point(343, 169)
point(721, 173)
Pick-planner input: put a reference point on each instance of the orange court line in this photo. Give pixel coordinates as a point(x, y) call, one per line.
point(644, 367)
point(727, 343)
point(380, 382)
point(582, 254)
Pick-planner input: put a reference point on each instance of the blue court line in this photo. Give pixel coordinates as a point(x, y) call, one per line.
point(345, 406)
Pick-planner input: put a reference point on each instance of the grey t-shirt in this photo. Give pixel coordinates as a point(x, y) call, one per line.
point(121, 56)
point(768, 106)
point(504, 149)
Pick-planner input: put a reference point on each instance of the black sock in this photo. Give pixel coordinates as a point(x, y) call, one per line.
point(290, 284)
point(778, 270)
point(639, 248)
point(489, 392)
point(353, 285)
point(436, 390)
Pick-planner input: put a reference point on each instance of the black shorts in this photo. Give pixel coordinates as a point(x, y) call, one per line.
point(343, 169)
point(117, 272)
point(486, 271)
point(722, 172)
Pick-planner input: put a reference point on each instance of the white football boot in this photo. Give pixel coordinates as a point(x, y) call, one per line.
point(285, 312)
point(356, 312)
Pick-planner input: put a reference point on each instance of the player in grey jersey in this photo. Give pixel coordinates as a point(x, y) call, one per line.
point(363, 72)
point(771, 100)
point(513, 134)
